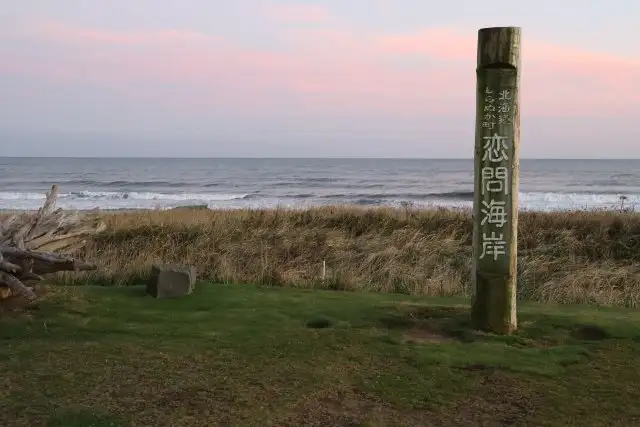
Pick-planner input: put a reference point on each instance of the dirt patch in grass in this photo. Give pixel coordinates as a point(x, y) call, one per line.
point(423, 323)
point(319, 323)
point(590, 333)
point(16, 307)
point(478, 367)
point(12, 304)
point(423, 336)
point(351, 408)
point(500, 400)
point(17, 304)
point(493, 398)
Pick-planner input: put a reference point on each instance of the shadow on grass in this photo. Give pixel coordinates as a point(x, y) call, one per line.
point(442, 323)
point(85, 418)
point(453, 323)
point(442, 335)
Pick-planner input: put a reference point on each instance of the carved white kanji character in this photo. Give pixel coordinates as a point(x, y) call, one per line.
point(495, 148)
point(494, 180)
point(493, 245)
point(504, 108)
point(504, 95)
point(494, 213)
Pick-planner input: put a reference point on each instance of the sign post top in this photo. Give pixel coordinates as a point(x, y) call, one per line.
point(499, 47)
point(511, 28)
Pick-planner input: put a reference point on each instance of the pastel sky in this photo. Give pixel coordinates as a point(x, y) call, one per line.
point(333, 78)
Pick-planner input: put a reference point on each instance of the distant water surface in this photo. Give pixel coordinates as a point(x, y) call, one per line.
point(260, 183)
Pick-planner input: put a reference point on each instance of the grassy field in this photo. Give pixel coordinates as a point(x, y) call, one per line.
point(564, 257)
point(262, 356)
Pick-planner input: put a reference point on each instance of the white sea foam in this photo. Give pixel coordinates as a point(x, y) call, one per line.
point(546, 202)
point(133, 195)
point(537, 201)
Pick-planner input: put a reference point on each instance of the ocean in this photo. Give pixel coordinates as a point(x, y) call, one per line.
point(127, 183)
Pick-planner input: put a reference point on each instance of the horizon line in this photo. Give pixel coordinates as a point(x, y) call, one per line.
point(299, 158)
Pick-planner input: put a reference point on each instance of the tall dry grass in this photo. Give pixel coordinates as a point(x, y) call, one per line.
point(567, 257)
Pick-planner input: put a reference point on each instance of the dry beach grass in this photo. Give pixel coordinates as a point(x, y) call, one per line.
point(564, 257)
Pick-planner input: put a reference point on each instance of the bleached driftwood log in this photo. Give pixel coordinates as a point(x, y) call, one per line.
point(41, 243)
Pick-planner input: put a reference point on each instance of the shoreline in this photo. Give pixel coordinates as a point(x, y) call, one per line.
point(124, 201)
point(354, 207)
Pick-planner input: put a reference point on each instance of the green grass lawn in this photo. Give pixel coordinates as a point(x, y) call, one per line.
point(249, 356)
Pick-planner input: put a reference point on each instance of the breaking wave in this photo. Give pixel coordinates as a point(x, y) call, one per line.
point(541, 201)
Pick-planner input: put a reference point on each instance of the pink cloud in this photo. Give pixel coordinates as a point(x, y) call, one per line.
point(337, 71)
point(556, 79)
point(299, 13)
point(65, 33)
point(443, 43)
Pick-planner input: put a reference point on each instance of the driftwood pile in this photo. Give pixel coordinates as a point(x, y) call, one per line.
point(33, 244)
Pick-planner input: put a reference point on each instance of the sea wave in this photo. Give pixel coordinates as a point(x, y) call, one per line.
point(539, 201)
point(453, 195)
point(134, 195)
point(117, 200)
point(89, 183)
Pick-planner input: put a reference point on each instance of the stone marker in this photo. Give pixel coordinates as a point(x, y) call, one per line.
point(171, 281)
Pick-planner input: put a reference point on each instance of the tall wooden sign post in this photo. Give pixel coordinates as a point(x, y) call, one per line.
point(495, 207)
